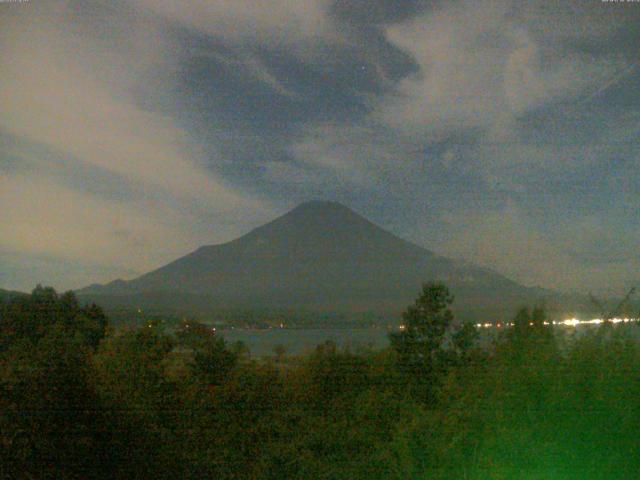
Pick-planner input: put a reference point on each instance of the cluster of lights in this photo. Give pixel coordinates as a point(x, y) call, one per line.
point(570, 322)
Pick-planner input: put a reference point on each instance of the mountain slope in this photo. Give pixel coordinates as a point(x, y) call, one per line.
point(321, 256)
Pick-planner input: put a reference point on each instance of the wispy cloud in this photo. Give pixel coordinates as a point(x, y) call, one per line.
point(297, 25)
point(64, 91)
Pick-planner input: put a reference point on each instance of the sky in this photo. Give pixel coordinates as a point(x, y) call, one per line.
point(504, 133)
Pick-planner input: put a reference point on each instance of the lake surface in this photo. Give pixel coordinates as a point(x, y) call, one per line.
point(300, 341)
point(304, 340)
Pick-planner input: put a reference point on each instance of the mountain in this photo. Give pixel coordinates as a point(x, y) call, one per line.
point(319, 257)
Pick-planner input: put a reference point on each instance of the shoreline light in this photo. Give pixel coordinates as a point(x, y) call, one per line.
point(569, 322)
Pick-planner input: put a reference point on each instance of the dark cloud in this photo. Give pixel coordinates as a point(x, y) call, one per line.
point(377, 12)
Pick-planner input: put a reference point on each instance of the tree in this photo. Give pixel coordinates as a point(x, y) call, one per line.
point(212, 360)
point(425, 323)
point(137, 401)
point(464, 339)
point(47, 397)
point(531, 331)
point(521, 326)
point(279, 351)
point(31, 317)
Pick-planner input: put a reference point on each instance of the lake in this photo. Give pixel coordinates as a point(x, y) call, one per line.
point(304, 340)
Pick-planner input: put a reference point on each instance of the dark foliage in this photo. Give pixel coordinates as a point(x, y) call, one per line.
point(78, 400)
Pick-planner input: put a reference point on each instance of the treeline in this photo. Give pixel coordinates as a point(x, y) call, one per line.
point(254, 319)
point(78, 400)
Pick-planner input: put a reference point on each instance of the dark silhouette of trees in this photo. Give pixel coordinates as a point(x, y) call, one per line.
point(424, 325)
point(213, 361)
point(50, 422)
point(279, 351)
point(427, 344)
point(81, 400)
point(32, 316)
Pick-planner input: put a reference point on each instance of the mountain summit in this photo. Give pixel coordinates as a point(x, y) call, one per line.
point(320, 256)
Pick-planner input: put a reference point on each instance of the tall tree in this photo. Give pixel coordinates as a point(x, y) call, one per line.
point(419, 342)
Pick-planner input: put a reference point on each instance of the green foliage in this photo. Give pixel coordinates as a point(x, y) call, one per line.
point(464, 340)
point(31, 317)
point(212, 361)
point(143, 403)
point(130, 369)
point(425, 324)
point(279, 351)
point(427, 345)
point(538, 406)
point(47, 403)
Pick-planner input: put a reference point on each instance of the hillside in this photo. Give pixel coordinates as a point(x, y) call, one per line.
point(9, 294)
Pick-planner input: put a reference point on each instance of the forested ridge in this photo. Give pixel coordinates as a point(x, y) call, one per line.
point(81, 399)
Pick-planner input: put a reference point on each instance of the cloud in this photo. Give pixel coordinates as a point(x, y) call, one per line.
point(481, 72)
point(52, 96)
point(43, 269)
point(65, 91)
point(253, 67)
point(479, 67)
point(158, 126)
point(317, 34)
point(492, 134)
point(354, 154)
point(47, 218)
point(571, 256)
point(277, 23)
